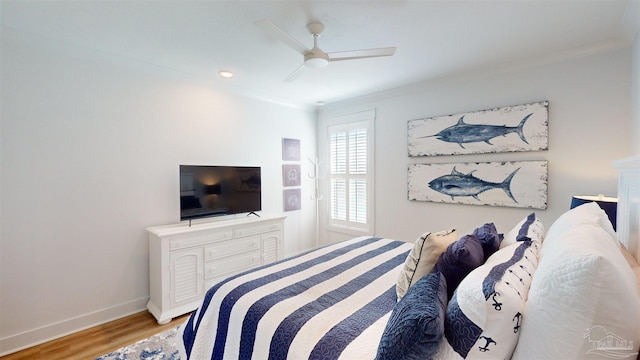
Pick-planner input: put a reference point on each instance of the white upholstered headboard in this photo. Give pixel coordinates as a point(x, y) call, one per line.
point(628, 217)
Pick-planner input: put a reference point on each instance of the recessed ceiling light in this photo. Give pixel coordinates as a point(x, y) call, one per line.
point(226, 74)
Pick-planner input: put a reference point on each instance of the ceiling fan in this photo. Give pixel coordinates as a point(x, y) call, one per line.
point(315, 57)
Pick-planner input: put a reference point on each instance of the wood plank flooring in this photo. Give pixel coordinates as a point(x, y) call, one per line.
point(99, 340)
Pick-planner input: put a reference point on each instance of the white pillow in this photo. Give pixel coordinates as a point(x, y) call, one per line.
point(589, 213)
point(485, 314)
point(422, 258)
point(583, 292)
point(529, 228)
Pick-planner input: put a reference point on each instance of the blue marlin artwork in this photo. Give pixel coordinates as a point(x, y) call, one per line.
point(469, 133)
point(505, 129)
point(460, 184)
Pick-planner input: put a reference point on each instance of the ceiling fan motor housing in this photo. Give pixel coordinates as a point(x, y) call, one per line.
point(316, 59)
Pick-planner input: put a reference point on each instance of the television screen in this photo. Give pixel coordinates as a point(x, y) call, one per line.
point(218, 190)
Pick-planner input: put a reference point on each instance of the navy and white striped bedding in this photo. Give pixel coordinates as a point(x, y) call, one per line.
point(330, 303)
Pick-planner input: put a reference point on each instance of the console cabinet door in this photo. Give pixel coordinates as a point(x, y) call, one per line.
point(187, 281)
point(270, 247)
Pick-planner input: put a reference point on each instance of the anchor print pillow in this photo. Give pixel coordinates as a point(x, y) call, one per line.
point(529, 228)
point(486, 311)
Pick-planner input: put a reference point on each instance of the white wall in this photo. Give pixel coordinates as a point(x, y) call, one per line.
point(89, 158)
point(589, 124)
point(635, 97)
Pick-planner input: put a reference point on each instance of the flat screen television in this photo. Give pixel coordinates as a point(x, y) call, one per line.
point(219, 190)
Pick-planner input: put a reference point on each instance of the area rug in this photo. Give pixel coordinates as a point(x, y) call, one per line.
point(161, 346)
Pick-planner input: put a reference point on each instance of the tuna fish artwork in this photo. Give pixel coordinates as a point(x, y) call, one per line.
point(460, 184)
point(462, 132)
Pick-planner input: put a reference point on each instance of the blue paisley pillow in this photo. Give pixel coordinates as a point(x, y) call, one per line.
point(416, 325)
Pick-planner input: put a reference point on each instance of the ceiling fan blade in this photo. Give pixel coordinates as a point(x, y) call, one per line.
point(295, 74)
point(361, 54)
point(281, 35)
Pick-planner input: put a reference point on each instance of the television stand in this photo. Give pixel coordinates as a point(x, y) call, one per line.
point(254, 213)
point(184, 262)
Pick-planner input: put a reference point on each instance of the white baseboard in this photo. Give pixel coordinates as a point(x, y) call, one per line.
point(17, 342)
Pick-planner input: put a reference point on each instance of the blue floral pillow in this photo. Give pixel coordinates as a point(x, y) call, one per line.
point(416, 325)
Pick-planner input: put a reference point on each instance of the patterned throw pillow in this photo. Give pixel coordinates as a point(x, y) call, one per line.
point(529, 228)
point(422, 259)
point(485, 314)
point(416, 326)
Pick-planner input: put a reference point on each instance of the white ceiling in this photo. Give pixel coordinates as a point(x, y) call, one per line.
point(196, 39)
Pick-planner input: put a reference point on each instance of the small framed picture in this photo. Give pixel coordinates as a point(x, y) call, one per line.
point(291, 175)
point(290, 149)
point(292, 199)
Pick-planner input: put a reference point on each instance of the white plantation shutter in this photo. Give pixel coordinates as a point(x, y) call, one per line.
point(358, 201)
point(351, 176)
point(338, 168)
point(338, 153)
point(358, 151)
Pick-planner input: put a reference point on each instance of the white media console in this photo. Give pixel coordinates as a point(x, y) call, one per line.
point(185, 261)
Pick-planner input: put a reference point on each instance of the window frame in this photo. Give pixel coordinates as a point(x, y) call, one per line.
point(364, 120)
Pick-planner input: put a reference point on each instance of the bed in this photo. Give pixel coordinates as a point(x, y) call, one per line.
point(569, 291)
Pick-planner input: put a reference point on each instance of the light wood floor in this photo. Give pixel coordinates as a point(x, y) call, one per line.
point(99, 340)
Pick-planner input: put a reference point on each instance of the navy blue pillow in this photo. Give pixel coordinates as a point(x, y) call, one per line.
point(459, 259)
point(489, 238)
point(416, 325)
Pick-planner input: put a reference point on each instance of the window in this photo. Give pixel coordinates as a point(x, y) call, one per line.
point(351, 176)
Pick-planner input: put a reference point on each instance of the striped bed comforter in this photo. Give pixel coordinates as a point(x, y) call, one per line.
point(329, 303)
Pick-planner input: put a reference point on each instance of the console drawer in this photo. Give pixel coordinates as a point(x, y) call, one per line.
point(232, 264)
point(180, 242)
point(253, 230)
point(226, 248)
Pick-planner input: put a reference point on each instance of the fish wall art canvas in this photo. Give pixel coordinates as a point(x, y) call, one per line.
point(505, 129)
point(521, 184)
